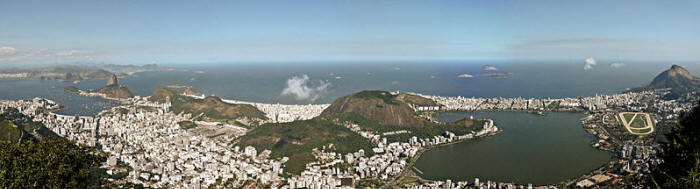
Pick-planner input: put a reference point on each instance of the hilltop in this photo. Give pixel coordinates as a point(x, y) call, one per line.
point(678, 79)
point(381, 112)
point(210, 108)
point(382, 107)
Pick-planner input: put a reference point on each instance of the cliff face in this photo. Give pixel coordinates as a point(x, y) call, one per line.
point(112, 80)
point(380, 106)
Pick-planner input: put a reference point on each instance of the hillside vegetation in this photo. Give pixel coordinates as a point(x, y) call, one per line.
point(376, 111)
point(380, 106)
point(16, 127)
point(297, 139)
point(210, 108)
point(51, 163)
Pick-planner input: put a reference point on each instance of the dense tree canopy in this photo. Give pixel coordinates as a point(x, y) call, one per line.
point(50, 163)
point(681, 167)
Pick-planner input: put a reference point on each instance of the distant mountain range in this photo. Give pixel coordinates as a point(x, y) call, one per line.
point(77, 72)
point(677, 79)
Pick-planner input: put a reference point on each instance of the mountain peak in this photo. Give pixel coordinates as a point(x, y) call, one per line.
point(680, 71)
point(678, 79)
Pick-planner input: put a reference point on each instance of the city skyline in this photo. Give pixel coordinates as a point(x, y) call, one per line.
point(38, 33)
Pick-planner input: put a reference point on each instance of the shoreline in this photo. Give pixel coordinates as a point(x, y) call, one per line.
point(410, 172)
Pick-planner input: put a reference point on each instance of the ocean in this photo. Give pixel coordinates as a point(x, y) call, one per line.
point(265, 83)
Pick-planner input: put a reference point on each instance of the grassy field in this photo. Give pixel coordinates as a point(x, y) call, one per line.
point(639, 122)
point(637, 126)
point(628, 116)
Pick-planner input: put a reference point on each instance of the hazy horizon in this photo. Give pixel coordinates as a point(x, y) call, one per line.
point(40, 33)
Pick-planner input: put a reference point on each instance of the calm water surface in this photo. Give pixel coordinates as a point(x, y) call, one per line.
point(531, 149)
point(264, 83)
point(15, 89)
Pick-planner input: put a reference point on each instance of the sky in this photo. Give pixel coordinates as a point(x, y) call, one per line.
point(142, 32)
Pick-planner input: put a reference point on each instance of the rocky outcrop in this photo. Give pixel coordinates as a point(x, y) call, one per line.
point(112, 80)
point(114, 90)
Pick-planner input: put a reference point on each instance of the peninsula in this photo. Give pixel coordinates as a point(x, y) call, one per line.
point(113, 90)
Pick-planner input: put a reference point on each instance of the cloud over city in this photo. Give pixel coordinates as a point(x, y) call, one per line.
point(302, 89)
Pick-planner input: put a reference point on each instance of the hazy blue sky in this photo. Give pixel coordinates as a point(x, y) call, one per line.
point(357, 30)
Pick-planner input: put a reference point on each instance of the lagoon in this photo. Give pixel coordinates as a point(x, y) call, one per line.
point(531, 149)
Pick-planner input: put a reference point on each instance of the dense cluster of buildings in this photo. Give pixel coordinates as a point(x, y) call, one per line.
point(627, 101)
point(282, 113)
point(147, 145)
point(389, 161)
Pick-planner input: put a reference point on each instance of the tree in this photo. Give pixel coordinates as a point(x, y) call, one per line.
point(681, 167)
point(50, 163)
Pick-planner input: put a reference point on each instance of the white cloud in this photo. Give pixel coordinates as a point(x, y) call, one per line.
point(7, 50)
point(589, 64)
point(617, 65)
point(465, 76)
point(490, 68)
point(300, 88)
